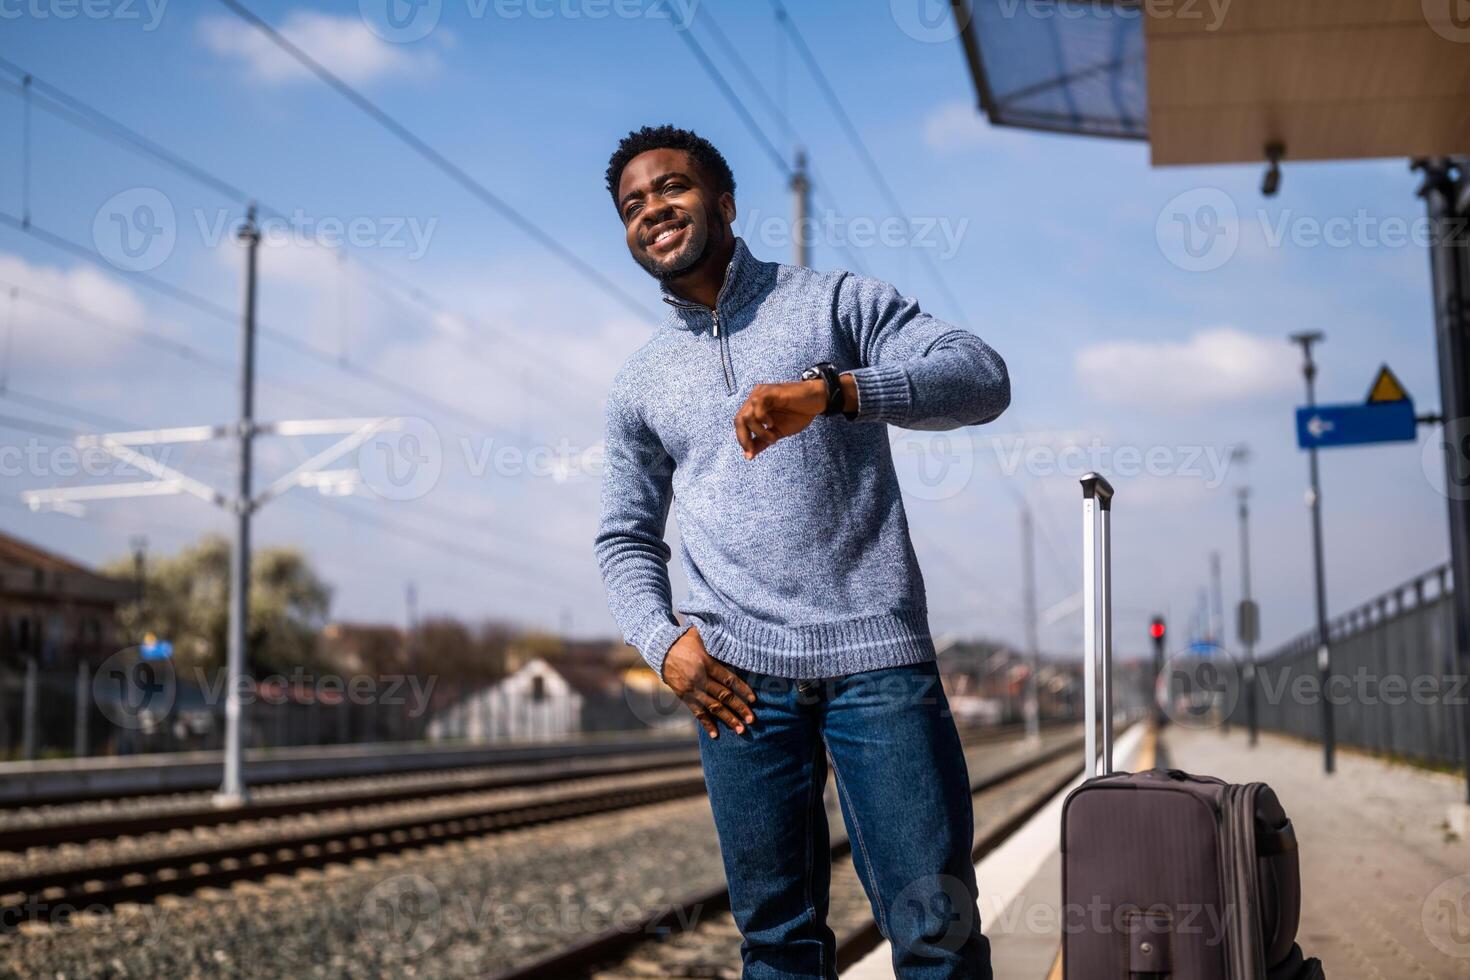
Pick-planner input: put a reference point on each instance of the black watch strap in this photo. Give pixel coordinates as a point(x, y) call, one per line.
point(827, 371)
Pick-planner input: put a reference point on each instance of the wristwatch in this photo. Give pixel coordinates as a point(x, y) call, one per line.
point(827, 371)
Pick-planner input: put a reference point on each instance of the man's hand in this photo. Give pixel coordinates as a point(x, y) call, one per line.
point(709, 688)
point(775, 411)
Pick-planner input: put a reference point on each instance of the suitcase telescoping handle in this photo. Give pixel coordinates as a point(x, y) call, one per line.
point(1097, 620)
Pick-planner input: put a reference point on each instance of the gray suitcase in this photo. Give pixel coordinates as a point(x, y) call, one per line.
point(1166, 874)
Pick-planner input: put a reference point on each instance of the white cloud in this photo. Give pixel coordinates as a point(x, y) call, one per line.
point(49, 334)
point(1214, 366)
point(344, 45)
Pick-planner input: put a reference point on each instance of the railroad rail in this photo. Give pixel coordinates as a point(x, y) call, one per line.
point(291, 799)
point(173, 868)
point(602, 954)
point(55, 782)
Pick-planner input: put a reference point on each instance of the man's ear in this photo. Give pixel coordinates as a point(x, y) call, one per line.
point(727, 207)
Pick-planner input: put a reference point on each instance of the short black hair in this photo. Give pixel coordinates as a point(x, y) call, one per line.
point(703, 152)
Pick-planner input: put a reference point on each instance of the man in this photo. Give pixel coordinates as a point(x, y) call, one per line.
point(757, 410)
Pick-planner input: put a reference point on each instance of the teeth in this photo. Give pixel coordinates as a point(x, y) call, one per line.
point(665, 234)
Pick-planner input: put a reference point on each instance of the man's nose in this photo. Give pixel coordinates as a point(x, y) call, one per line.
point(652, 215)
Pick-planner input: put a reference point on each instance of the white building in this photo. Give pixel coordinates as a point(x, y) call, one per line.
point(535, 702)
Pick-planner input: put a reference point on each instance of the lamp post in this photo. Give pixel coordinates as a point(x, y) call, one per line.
point(1314, 498)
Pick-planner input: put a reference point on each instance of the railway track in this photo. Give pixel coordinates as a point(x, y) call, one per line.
point(290, 800)
point(186, 776)
point(55, 826)
point(312, 833)
point(696, 936)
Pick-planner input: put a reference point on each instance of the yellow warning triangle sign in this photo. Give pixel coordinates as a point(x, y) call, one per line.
point(1386, 388)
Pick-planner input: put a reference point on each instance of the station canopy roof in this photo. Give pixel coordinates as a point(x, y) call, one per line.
point(1216, 81)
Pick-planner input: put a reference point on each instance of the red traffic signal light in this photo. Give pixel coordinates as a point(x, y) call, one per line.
point(1156, 628)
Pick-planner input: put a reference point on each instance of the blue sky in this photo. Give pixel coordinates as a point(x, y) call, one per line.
point(1063, 253)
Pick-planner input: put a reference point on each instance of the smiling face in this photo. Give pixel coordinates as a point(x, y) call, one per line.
point(674, 219)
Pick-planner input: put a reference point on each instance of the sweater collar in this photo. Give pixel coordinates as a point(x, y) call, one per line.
point(745, 277)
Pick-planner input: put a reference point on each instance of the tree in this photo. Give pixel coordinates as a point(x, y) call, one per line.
point(186, 601)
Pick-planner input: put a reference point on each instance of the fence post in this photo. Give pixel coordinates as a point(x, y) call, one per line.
point(1380, 646)
point(79, 722)
point(1453, 666)
point(1423, 666)
point(28, 711)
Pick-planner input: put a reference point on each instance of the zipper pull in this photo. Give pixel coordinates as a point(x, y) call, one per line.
point(715, 314)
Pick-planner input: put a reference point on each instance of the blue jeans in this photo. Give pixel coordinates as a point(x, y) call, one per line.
point(905, 795)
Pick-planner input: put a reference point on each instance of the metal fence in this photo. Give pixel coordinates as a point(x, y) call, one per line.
point(1395, 688)
point(52, 712)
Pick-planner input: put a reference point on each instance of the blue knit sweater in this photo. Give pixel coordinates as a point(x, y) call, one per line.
point(799, 560)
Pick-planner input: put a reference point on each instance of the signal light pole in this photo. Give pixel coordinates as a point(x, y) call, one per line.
point(1247, 624)
point(1156, 632)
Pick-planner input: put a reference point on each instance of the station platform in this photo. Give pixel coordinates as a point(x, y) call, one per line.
point(1385, 878)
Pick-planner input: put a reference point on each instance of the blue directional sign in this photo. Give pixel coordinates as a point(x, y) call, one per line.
point(1324, 426)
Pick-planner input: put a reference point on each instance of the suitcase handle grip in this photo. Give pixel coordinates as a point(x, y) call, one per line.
point(1271, 841)
point(1097, 485)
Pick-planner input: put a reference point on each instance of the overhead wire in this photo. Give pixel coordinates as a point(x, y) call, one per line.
point(441, 162)
point(66, 106)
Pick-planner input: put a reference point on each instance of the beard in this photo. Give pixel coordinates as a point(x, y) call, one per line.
point(671, 267)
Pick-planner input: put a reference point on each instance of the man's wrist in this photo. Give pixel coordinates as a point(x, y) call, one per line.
point(849, 394)
point(814, 395)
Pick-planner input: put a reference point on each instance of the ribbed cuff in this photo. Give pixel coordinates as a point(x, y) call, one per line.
point(883, 393)
point(656, 648)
